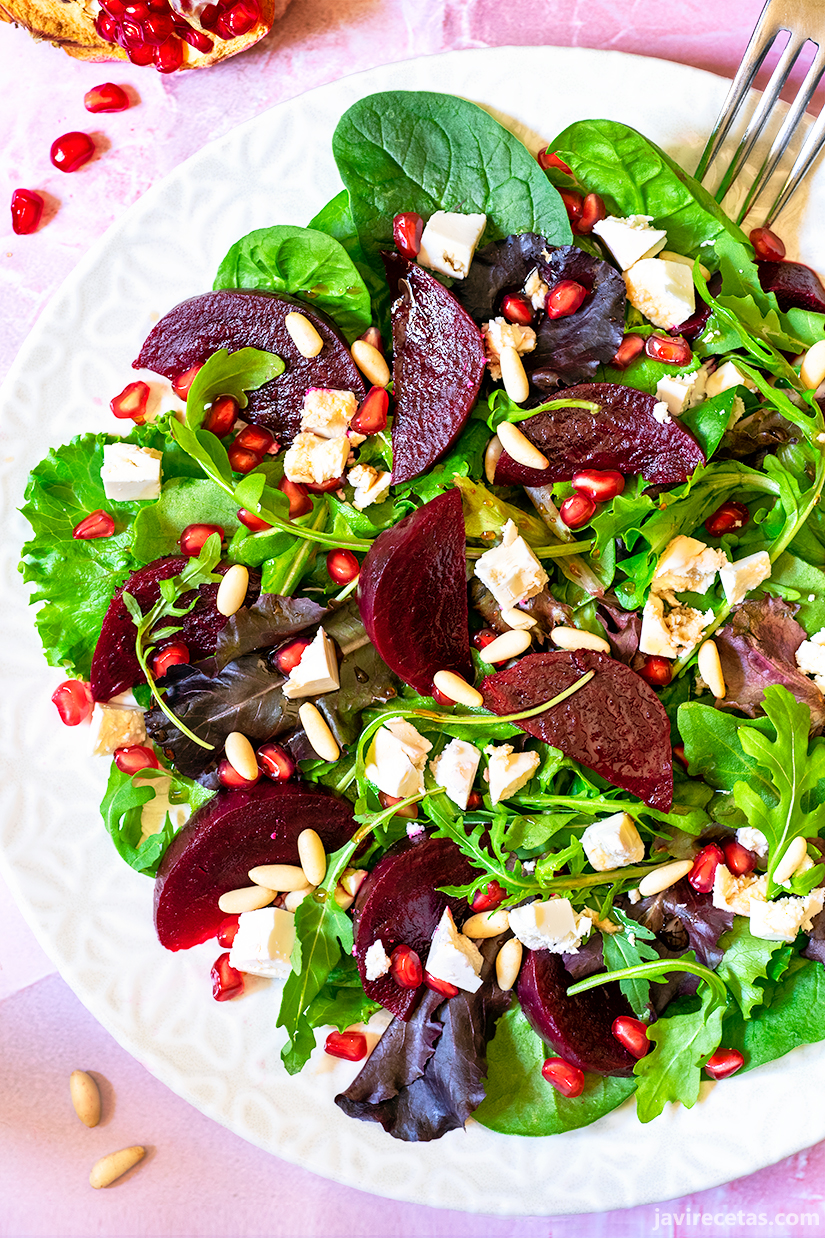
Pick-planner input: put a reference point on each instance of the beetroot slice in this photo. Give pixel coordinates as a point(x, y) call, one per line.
point(623, 435)
point(412, 594)
point(233, 832)
point(400, 904)
point(794, 285)
point(438, 365)
point(115, 666)
point(614, 725)
point(577, 1028)
point(233, 319)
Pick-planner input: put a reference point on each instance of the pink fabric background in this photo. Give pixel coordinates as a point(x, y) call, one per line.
point(199, 1180)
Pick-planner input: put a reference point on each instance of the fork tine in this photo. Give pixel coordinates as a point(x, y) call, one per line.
point(810, 149)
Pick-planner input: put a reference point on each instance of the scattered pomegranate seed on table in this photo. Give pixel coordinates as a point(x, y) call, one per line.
point(600, 485)
point(631, 1033)
point(672, 350)
point(406, 233)
point(221, 418)
point(132, 402)
point(194, 536)
point(351, 1046)
point(71, 151)
point(26, 211)
point(565, 1077)
point(564, 299)
point(729, 517)
point(73, 701)
point(723, 1063)
point(133, 759)
point(343, 566)
point(175, 654)
point(577, 511)
point(405, 967)
point(228, 930)
point(703, 873)
point(738, 858)
point(656, 671)
point(227, 982)
point(106, 98)
point(96, 524)
point(768, 247)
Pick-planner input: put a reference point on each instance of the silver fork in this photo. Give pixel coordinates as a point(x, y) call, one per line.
point(804, 21)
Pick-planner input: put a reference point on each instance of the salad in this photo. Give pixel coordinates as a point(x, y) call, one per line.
point(495, 700)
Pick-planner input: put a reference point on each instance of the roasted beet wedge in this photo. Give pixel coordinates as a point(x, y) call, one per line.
point(231, 319)
point(412, 594)
point(114, 664)
point(400, 903)
point(437, 368)
point(623, 435)
point(235, 831)
point(614, 725)
point(794, 285)
point(577, 1028)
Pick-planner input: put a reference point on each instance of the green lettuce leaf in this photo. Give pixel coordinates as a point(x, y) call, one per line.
point(745, 963)
point(683, 1041)
point(183, 501)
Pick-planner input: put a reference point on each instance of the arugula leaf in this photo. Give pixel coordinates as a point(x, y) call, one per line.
point(746, 960)
point(714, 751)
point(322, 930)
point(627, 949)
point(234, 374)
point(122, 810)
point(683, 1041)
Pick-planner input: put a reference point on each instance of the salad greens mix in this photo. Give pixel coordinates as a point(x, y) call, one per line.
point(702, 928)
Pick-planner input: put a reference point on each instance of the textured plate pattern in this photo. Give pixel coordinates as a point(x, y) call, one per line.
point(91, 912)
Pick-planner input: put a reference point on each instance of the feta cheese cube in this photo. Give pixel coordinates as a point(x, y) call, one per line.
point(681, 391)
point(396, 759)
point(116, 726)
point(613, 843)
point(810, 658)
point(453, 957)
point(376, 960)
point(738, 894)
point(630, 239)
point(510, 570)
point(449, 241)
point(499, 334)
point(317, 671)
point(687, 565)
point(328, 412)
point(508, 771)
point(455, 769)
point(552, 925)
point(745, 574)
point(752, 840)
point(263, 943)
point(662, 291)
point(782, 919)
point(312, 460)
point(130, 472)
point(536, 289)
point(371, 486)
point(725, 377)
point(654, 638)
point(667, 634)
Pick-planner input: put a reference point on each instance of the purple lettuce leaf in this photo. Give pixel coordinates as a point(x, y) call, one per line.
point(815, 948)
point(588, 959)
point(621, 627)
point(499, 267)
point(271, 620)
point(570, 349)
point(544, 608)
point(757, 435)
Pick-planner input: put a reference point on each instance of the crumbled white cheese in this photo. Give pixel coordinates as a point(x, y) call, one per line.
point(371, 486)
point(455, 768)
point(263, 943)
point(116, 726)
point(499, 334)
point(536, 289)
point(130, 472)
point(745, 574)
point(687, 565)
point(317, 671)
point(453, 957)
point(510, 570)
point(752, 840)
point(661, 413)
point(666, 635)
point(552, 925)
point(396, 759)
point(613, 843)
point(810, 658)
point(312, 460)
point(635, 896)
point(376, 961)
point(630, 239)
point(662, 291)
point(725, 377)
point(681, 391)
point(328, 412)
point(449, 241)
point(782, 919)
point(508, 771)
point(738, 894)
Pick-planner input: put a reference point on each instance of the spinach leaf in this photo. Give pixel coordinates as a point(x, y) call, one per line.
point(683, 1040)
point(795, 1016)
point(335, 219)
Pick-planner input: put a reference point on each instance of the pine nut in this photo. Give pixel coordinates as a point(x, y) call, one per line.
point(232, 590)
point(343, 899)
point(456, 688)
point(241, 755)
point(318, 733)
point(669, 256)
point(304, 336)
point(519, 447)
point(486, 924)
point(281, 877)
point(574, 638)
point(109, 1168)
point(508, 645)
point(313, 856)
point(794, 855)
point(370, 362)
point(514, 377)
point(664, 876)
point(710, 668)
point(85, 1097)
point(352, 879)
point(812, 371)
point(294, 899)
point(491, 458)
point(515, 618)
point(508, 963)
point(249, 898)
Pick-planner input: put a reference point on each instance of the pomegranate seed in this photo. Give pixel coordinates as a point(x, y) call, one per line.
point(137, 10)
point(728, 518)
point(672, 350)
point(183, 382)
point(628, 351)
point(132, 402)
point(209, 16)
point(74, 702)
point(174, 654)
point(703, 873)
point(168, 57)
point(516, 308)
point(678, 751)
point(115, 8)
point(276, 762)
point(71, 151)
point(631, 1033)
point(228, 930)
point(440, 986)
point(723, 1063)
point(26, 211)
point(228, 776)
point(135, 758)
point(141, 54)
point(227, 982)
point(157, 28)
point(593, 209)
point(373, 336)
point(484, 638)
point(489, 899)
point(406, 233)
point(288, 656)
point(324, 487)
point(474, 800)
point(547, 158)
point(768, 247)
point(372, 415)
point(243, 461)
point(106, 98)
point(656, 671)
point(221, 418)
point(299, 501)
point(342, 566)
point(600, 485)
point(239, 19)
point(106, 27)
point(405, 967)
point(439, 696)
point(738, 859)
point(351, 1046)
point(255, 438)
point(197, 39)
point(410, 811)
point(194, 536)
point(573, 203)
point(96, 524)
point(577, 511)
point(565, 1077)
point(564, 299)
point(252, 521)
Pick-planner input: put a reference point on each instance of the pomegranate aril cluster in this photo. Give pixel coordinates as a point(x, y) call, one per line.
point(150, 32)
point(592, 486)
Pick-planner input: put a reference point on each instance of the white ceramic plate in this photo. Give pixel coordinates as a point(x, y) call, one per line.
point(90, 911)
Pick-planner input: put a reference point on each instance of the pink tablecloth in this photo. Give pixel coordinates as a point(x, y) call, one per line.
point(200, 1180)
